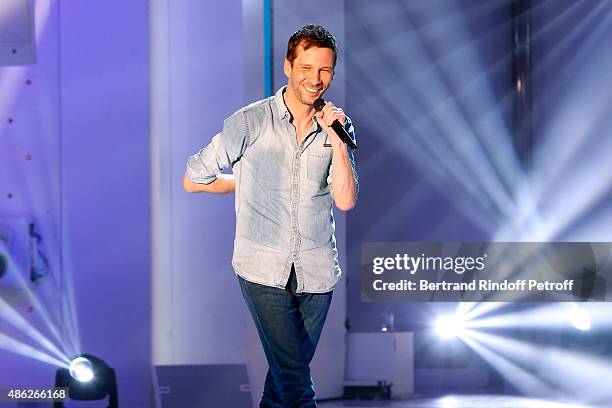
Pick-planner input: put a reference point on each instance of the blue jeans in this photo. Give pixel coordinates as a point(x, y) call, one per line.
point(289, 326)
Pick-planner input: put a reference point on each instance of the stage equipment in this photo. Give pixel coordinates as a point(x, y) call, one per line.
point(23, 262)
point(580, 319)
point(379, 365)
point(337, 126)
point(450, 326)
point(88, 379)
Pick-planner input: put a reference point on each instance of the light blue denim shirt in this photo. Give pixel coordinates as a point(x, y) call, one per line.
point(283, 197)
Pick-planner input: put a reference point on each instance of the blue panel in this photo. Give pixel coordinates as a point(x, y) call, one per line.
point(268, 46)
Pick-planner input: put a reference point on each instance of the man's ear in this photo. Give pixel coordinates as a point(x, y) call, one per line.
point(287, 67)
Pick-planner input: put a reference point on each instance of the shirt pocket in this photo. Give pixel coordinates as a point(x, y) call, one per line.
point(317, 166)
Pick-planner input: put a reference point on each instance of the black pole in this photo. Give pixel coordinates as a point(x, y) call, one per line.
point(521, 76)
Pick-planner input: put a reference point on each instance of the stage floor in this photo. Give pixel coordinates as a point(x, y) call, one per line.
point(458, 401)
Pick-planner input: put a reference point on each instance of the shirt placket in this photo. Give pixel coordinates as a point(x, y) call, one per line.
point(295, 194)
point(295, 197)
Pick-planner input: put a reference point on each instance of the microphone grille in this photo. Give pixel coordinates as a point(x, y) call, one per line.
point(319, 104)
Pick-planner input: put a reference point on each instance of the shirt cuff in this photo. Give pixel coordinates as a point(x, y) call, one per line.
point(198, 178)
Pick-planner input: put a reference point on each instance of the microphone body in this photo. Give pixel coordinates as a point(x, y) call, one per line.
point(336, 126)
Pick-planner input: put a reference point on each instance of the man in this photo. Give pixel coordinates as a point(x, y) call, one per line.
point(289, 165)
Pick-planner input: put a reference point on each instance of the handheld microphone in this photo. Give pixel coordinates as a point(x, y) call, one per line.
point(336, 125)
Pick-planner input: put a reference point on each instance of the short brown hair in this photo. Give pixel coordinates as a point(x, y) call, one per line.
point(311, 35)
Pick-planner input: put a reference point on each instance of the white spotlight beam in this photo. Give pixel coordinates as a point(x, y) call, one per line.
point(473, 310)
point(443, 151)
point(38, 306)
point(443, 110)
point(69, 310)
point(11, 79)
point(436, 159)
point(526, 382)
point(518, 178)
point(427, 139)
point(15, 346)
point(562, 151)
point(450, 326)
point(580, 318)
point(523, 198)
point(12, 317)
point(576, 373)
point(585, 24)
point(489, 123)
point(547, 316)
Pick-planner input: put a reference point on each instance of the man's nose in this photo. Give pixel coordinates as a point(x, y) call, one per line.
point(315, 77)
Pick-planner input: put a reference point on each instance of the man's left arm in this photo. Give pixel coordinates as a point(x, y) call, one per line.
point(343, 178)
point(344, 183)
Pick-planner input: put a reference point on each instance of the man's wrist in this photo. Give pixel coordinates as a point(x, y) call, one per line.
point(339, 147)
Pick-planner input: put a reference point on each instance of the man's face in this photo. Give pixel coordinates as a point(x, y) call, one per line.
point(311, 73)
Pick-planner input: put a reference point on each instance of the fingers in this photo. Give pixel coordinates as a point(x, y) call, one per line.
point(319, 116)
point(332, 113)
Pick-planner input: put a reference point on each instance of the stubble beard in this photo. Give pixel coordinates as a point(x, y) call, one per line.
point(302, 96)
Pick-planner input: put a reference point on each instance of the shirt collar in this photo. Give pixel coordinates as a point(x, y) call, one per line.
point(283, 111)
point(280, 102)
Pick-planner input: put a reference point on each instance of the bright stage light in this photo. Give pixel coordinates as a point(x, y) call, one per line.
point(448, 402)
point(450, 326)
point(88, 379)
point(580, 319)
point(81, 369)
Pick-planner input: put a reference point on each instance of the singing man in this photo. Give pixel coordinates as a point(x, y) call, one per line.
point(288, 165)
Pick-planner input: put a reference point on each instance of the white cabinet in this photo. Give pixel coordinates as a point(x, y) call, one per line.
point(389, 357)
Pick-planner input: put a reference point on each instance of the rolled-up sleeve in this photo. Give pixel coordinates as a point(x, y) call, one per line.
point(350, 129)
point(225, 149)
